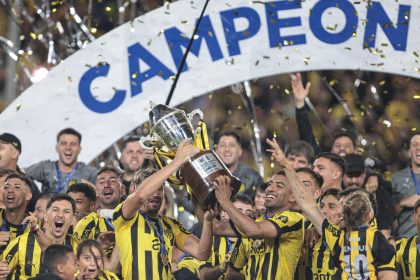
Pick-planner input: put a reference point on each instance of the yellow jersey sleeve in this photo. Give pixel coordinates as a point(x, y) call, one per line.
point(11, 254)
point(85, 228)
point(180, 233)
point(108, 275)
point(288, 222)
point(383, 252)
point(239, 257)
point(119, 221)
point(330, 234)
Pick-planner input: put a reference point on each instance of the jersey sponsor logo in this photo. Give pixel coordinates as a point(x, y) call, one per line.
point(322, 276)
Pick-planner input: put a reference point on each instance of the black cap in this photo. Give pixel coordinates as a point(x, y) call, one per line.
point(11, 139)
point(355, 163)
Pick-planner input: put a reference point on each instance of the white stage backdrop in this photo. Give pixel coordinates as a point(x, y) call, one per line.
point(105, 90)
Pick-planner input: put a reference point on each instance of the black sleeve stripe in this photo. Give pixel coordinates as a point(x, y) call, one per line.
point(205, 265)
point(12, 252)
point(232, 225)
point(118, 214)
point(282, 230)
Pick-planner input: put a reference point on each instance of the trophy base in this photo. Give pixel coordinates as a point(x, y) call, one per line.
point(200, 172)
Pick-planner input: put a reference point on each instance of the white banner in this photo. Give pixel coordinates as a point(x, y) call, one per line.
point(104, 91)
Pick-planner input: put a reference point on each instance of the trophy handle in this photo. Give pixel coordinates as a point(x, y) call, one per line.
point(195, 112)
point(148, 139)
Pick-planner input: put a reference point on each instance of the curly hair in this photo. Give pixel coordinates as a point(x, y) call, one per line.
point(356, 210)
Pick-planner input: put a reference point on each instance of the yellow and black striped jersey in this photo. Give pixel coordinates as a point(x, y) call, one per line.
point(221, 249)
point(23, 255)
point(140, 246)
point(358, 254)
point(320, 265)
point(408, 258)
point(272, 258)
point(91, 226)
point(107, 275)
point(15, 230)
point(188, 262)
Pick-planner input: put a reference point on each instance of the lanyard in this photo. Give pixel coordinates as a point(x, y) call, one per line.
point(4, 223)
point(158, 231)
point(4, 226)
point(228, 244)
point(109, 224)
point(416, 183)
point(61, 184)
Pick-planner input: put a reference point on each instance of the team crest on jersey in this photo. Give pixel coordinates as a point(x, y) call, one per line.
point(258, 246)
point(283, 219)
point(334, 231)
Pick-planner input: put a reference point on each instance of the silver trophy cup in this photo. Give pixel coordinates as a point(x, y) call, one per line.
point(169, 128)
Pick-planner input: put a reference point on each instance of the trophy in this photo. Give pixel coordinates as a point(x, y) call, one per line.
point(168, 128)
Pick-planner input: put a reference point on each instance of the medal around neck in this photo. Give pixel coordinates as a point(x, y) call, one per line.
point(169, 127)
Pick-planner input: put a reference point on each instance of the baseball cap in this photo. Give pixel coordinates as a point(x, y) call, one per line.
point(355, 163)
point(12, 140)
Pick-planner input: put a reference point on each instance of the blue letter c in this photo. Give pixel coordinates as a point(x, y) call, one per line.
point(87, 97)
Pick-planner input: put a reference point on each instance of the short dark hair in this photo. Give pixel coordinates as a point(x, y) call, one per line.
point(242, 198)
point(129, 139)
point(109, 168)
point(16, 175)
point(231, 133)
point(262, 187)
point(54, 255)
point(70, 131)
point(318, 178)
point(141, 175)
point(60, 197)
point(301, 148)
point(46, 196)
point(334, 192)
point(338, 160)
point(345, 133)
point(87, 190)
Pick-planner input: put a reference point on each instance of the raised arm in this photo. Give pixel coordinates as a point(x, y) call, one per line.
point(201, 248)
point(300, 92)
point(245, 224)
point(151, 184)
point(303, 197)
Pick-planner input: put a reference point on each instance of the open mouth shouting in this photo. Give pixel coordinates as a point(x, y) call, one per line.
point(10, 198)
point(108, 194)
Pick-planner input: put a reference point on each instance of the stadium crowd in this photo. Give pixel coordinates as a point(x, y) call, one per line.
point(323, 214)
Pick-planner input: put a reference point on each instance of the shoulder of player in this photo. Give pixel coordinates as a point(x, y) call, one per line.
point(289, 217)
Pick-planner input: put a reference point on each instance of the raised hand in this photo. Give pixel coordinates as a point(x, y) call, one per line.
point(299, 91)
point(276, 152)
point(4, 269)
point(223, 188)
point(4, 238)
point(185, 151)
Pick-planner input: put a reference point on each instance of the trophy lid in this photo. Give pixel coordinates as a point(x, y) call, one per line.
point(158, 112)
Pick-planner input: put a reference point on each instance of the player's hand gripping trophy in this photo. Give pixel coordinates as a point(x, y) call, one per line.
point(168, 128)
